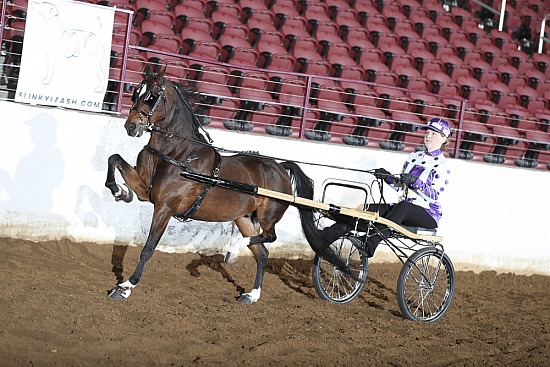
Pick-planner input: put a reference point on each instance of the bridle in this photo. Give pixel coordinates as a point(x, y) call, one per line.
point(150, 99)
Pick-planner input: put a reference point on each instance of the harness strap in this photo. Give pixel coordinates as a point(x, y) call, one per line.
point(198, 201)
point(195, 118)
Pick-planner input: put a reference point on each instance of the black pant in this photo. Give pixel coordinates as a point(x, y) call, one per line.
point(403, 213)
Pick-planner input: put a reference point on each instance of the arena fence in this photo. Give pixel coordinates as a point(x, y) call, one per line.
point(257, 90)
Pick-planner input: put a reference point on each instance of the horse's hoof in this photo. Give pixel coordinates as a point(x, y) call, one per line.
point(231, 258)
point(123, 195)
point(119, 293)
point(245, 299)
point(251, 297)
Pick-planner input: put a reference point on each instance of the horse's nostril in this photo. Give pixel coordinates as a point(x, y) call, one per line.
point(131, 127)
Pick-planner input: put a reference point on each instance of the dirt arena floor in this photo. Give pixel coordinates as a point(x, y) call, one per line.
point(54, 312)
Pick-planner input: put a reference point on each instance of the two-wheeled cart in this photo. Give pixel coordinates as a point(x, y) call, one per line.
point(426, 282)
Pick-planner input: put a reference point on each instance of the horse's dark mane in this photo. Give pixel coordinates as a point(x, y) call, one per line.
point(191, 94)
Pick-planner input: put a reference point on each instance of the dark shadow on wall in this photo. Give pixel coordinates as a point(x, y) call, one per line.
point(39, 173)
point(93, 207)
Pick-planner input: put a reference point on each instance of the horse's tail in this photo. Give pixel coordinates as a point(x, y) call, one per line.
point(317, 240)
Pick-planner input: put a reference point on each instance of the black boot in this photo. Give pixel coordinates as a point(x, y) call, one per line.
point(372, 244)
point(334, 232)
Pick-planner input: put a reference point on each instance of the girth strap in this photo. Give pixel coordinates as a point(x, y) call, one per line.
point(198, 201)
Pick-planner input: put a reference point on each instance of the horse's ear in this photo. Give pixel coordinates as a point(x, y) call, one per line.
point(147, 72)
point(162, 72)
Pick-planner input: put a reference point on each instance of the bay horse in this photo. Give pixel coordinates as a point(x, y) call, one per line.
point(165, 110)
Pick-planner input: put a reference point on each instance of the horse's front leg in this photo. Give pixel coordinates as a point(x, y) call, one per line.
point(130, 177)
point(158, 226)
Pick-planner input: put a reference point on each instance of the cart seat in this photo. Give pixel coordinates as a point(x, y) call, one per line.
point(421, 230)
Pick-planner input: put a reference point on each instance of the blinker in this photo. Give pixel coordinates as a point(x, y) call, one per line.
point(150, 97)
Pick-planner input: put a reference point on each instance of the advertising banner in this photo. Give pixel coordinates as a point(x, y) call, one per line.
point(66, 53)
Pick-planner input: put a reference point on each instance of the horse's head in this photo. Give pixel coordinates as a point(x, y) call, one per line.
point(148, 96)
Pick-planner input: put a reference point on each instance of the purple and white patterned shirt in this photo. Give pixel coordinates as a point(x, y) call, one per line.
point(433, 172)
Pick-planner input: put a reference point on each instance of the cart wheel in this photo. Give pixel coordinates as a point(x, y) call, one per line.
point(332, 284)
point(426, 285)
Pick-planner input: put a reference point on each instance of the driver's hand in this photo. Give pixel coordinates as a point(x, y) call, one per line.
point(381, 173)
point(408, 179)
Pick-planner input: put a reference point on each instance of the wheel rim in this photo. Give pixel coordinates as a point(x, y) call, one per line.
point(337, 285)
point(428, 287)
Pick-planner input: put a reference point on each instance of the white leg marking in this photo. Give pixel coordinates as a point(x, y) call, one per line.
point(123, 290)
point(253, 296)
point(119, 192)
point(234, 249)
point(127, 284)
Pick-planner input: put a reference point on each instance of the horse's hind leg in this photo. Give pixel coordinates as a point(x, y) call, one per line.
point(247, 227)
point(260, 254)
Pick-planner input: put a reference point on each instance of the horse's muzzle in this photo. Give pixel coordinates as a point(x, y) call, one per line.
point(133, 129)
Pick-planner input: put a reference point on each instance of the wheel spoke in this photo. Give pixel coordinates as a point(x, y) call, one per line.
point(426, 285)
point(334, 285)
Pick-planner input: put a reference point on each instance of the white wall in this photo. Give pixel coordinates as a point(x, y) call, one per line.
point(53, 166)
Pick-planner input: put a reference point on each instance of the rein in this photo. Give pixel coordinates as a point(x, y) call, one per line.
point(150, 127)
point(161, 96)
point(153, 100)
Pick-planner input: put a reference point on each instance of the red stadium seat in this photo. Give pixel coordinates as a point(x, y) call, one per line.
point(156, 33)
point(378, 72)
point(229, 7)
point(153, 10)
point(511, 76)
point(187, 16)
point(472, 90)
point(527, 97)
point(482, 71)
point(501, 94)
point(454, 66)
point(260, 29)
point(426, 105)
point(218, 101)
point(363, 50)
point(343, 66)
point(199, 44)
point(228, 24)
point(296, 39)
point(425, 62)
point(442, 84)
point(410, 78)
point(439, 45)
point(536, 154)
point(394, 55)
point(256, 103)
point(274, 56)
point(308, 61)
point(330, 43)
point(494, 56)
point(237, 49)
point(542, 61)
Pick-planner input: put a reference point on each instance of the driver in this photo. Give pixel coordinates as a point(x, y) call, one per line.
point(423, 181)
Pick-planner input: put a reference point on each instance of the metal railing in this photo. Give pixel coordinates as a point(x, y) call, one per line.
point(322, 108)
